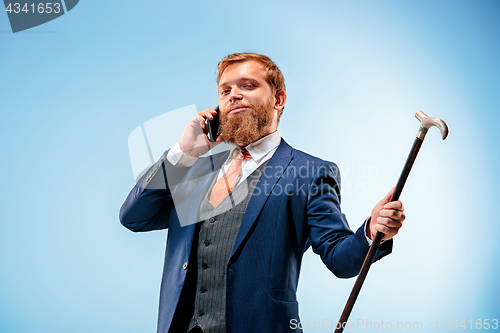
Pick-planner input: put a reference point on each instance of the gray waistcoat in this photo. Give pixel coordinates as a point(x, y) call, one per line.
point(217, 235)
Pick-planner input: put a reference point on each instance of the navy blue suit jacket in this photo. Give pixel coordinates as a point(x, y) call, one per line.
point(296, 204)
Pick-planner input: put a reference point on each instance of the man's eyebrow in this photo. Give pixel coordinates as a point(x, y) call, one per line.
point(241, 79)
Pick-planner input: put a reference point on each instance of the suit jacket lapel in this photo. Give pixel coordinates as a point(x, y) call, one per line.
point(268, 180)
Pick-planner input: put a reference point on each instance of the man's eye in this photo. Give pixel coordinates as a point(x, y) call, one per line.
point(225, 91)
point(248, 86)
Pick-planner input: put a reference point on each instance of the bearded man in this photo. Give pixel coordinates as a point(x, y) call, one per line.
point(239, 222)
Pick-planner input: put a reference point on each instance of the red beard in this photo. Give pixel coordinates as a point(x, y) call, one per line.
point(243, 129)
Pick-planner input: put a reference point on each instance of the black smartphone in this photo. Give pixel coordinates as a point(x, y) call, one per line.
point(214, 126)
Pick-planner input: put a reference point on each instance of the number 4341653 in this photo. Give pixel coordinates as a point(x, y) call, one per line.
point(41, 8)
point(478, 324)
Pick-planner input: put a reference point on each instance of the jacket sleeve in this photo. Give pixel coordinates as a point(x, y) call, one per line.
point(342, 250)
point(149, 203)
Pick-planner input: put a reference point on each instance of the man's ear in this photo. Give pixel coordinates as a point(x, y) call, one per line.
point(280, 100)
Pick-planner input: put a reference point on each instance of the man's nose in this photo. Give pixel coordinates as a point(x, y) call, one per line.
point(235, 95)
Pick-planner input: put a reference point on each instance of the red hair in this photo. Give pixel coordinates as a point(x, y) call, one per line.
point(274, 76)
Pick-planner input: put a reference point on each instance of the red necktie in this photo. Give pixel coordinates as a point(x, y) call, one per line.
point(228, 182)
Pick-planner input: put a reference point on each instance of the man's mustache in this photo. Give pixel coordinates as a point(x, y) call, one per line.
point(223, 115)
point(236, 105)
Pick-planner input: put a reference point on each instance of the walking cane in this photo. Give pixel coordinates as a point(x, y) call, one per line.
point(426, 123)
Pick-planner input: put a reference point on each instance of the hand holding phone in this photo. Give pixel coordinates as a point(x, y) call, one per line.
point(200, 135)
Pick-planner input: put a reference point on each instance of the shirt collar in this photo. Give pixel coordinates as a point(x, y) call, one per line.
point(263, 146)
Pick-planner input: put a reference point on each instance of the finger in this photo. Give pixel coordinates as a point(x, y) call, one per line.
point(387, 222)
point(388, 232)
point(209, 113)
point(397, 205)
point(201, 121)
point(391, 213)
point(383, 222)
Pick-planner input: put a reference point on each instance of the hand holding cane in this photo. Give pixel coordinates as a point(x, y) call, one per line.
point(425, 124)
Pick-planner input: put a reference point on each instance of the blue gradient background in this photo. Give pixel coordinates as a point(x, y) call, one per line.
point(72, 90)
